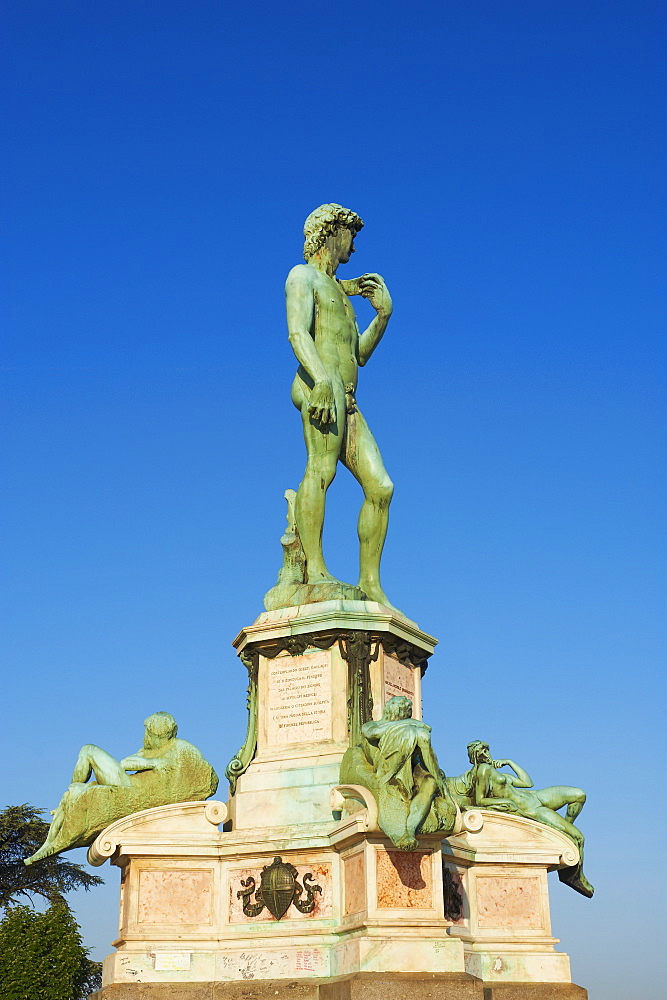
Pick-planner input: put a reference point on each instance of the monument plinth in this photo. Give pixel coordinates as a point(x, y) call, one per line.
point(345, 863)
point(468, 916)
point(293, 887)
point(316, 674)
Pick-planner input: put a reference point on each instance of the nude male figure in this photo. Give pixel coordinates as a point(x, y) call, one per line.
point(325, 337)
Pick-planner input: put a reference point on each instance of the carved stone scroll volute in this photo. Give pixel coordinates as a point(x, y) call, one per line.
point(358, 649)
point(240, 761)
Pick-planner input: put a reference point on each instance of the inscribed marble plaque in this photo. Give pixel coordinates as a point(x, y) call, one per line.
point(168, 961)
point(299, 699)
point(398, 679)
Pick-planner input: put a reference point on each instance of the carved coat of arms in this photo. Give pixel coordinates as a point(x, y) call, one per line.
point(278, 889)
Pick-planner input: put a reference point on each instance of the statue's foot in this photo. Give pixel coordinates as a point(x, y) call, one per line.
point(321, 576)
point(576, 881)
point(374, 592)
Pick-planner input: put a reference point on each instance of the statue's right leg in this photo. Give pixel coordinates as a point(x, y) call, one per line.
point(574, 876)
point(107, 770)
point(323, 447)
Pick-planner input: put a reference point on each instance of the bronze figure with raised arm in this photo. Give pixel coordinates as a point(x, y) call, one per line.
point(486, 786)
point(325, 338)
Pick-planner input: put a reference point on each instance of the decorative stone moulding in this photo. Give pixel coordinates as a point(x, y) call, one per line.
point(475, 904)
point(155, 830)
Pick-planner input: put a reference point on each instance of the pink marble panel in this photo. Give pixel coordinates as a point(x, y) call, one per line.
point(169, 896)
point(404, 879)
point(504, 902)
point(321, 872)
point(354, 871)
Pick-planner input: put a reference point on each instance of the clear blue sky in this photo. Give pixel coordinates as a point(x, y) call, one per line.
point(508, 159)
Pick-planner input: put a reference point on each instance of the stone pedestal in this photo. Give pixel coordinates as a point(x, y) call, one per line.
point(316, 673)
point(456, 919)
point(498, 898)
point(470, 912)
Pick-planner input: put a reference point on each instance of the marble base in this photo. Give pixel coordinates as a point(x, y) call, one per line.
point(364, 986)
point(465, 917)
point(475, 905)
point(499, 874)
point(289, 595)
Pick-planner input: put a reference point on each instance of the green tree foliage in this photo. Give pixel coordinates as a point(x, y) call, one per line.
point(42, 956)
point(22, 831)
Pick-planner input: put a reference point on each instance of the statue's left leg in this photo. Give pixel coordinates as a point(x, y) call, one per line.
point(557, 796)
point(361, 455)
point(419, 807)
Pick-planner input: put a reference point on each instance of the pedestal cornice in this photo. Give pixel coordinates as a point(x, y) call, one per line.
point(366, 616)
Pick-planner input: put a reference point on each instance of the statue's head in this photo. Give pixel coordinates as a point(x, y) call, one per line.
point(478, 752)
point(397, 707)
point(329, 221)
point(158, 729)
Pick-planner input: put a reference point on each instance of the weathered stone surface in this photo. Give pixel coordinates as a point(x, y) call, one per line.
point(404, 878)
point(175, 897)
point(355, 883)
point(506, 903)
point(401, 986)
point(291, 595)
point(534, 991)
point(156, 991)
point(364, 986)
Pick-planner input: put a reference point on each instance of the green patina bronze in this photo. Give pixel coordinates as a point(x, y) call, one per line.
point(486, 786)
point(397, 763)
point(167, 770)
point(325, 337)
